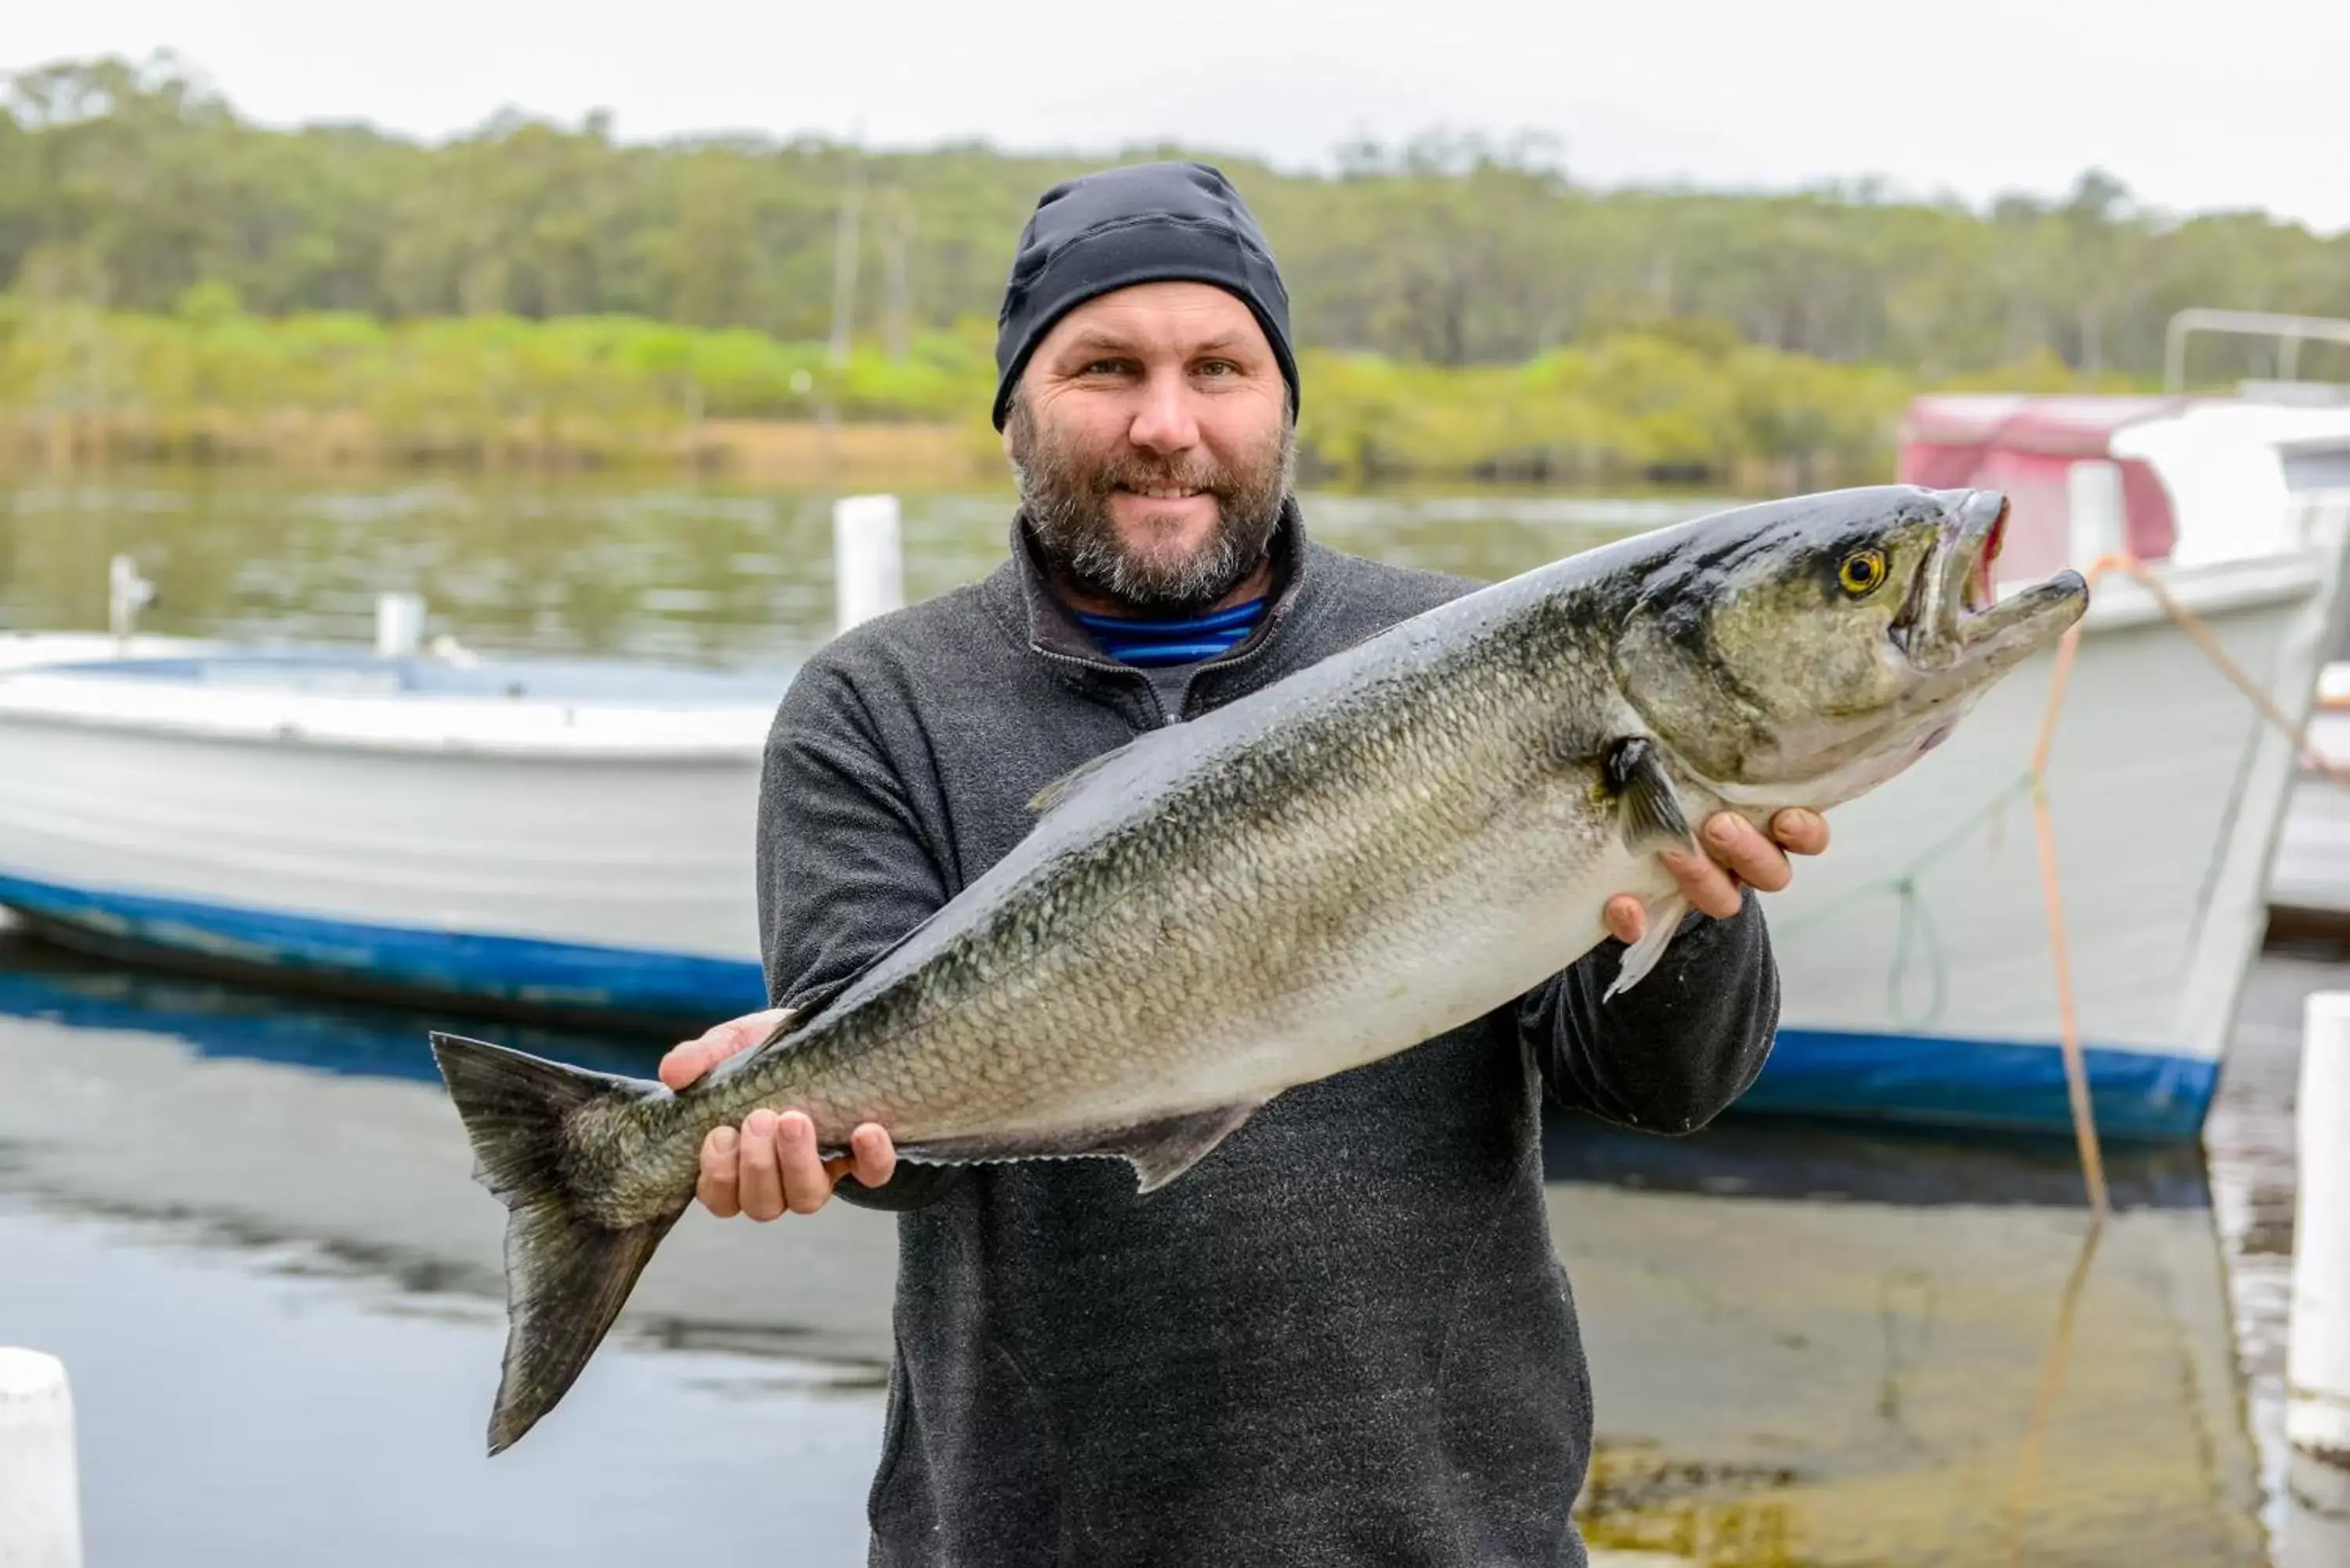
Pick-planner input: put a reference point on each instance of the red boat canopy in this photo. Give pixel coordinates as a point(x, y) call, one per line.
point(2026, 446)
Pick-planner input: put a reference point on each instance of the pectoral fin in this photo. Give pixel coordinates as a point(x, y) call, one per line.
point(1665, 916)
point(1158, 1150)
point(1649, 810)
point(1650, 818)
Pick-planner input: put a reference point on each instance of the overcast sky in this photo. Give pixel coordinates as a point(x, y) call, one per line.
point(2219, 103)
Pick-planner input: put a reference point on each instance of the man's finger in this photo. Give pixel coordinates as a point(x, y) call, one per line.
point(683, 1064)
point(877, 1156)
point(1705, 885)
point(686, 1063)
point(807, 1184)
point(1801, 832)
point(762, 1193)
point(1626, 920)
point(717, 1184)
point(1736, 844)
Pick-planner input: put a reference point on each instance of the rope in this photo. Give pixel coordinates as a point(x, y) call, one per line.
point(2044, 1400)
point(2068, 1022)
point(1916, 937)
point(2077, 1074)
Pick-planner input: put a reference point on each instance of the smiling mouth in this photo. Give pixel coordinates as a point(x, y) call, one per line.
point(1160, 492)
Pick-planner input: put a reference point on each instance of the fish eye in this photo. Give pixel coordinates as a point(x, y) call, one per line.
point(1863, 572)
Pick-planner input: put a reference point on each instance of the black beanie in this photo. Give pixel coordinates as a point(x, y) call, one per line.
point(1147, 223)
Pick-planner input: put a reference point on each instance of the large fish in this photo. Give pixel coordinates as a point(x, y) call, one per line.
point(1356, 858)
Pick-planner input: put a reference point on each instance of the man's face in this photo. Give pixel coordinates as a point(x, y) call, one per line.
point(1150, 433)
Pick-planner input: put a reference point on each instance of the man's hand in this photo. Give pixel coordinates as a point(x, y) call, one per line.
point(1736, 855)
point(770, 1165)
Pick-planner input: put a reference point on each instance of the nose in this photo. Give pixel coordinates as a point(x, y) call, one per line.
point(1166, 423)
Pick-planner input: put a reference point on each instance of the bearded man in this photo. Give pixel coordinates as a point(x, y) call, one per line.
point(1344, 1336)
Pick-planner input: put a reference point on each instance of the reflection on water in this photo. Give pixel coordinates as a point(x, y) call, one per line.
point(1866, 1350)
point(234, 1411)
point(332, 1034)
point(1787, 1159)
point(1814, 1345)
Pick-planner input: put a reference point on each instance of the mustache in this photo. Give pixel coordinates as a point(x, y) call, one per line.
point(1125, 473)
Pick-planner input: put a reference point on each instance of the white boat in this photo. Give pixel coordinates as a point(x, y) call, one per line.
point(560, 837)
point(566, 837)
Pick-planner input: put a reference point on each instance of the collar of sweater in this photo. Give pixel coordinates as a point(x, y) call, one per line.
point(1053, 629)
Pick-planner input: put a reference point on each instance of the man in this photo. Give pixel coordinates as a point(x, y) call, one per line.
point(1344, 1336)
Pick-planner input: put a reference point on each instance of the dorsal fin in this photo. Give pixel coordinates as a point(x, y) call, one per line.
point(1067, 784)
point(1054, 793)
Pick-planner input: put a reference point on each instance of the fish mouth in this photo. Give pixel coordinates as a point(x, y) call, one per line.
point(1955, 618)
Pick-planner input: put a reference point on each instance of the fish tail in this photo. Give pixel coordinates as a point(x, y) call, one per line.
point(568, 1272)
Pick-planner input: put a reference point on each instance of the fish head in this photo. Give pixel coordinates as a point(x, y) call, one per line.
point(1807, 651)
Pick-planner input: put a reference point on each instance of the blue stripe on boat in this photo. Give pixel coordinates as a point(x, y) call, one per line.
point(1979, 1082)
point(1901, 1079)
point(569, 975)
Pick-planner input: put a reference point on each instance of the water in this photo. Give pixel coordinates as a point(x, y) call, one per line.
point(247, 1224)
point(248, 1404)
point(707, 576)
point(247, 1221)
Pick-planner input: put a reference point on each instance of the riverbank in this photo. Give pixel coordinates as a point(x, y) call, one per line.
point(927, 454)
point(1676, 403)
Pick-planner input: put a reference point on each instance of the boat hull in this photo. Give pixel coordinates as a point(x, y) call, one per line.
point(2008, 1086)
point(523, 975)
point(595, 865)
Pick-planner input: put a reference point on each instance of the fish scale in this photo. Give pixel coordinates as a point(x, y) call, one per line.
point(1315, 876)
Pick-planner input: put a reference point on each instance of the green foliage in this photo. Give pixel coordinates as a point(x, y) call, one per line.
point(1463, 307)
point(1636, 406)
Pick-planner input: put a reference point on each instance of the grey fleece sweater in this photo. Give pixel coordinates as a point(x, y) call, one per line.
point(1342, 1338)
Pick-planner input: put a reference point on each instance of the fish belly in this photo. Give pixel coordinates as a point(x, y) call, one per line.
point(1240, 991)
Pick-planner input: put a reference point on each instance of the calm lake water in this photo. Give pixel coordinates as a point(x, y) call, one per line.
point(706, 575)
point(247, 1224)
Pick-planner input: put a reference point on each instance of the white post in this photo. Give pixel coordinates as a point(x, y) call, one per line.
point(867, 559)
point(2317, 1365)
point(127, 593)
point(399, 625)
point(40, 1499)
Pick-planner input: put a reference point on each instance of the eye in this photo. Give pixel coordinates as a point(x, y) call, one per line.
point(1863, 572)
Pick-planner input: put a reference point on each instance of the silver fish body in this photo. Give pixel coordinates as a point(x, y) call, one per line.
point(1331, 870)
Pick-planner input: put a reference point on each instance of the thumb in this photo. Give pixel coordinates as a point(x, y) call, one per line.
point(688, 1061)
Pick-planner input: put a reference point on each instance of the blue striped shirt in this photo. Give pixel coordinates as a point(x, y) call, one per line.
point(1157, 643)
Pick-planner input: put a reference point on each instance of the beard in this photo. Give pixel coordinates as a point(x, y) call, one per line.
point(1066, 494)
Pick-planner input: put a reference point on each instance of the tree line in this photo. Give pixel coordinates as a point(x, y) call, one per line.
point(738, 275)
